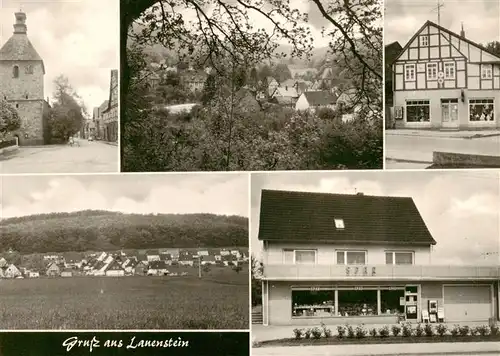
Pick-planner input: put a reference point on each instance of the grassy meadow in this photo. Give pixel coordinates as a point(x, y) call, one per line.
point(219, 300)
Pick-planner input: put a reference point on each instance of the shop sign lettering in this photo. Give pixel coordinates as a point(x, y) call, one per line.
point(360, 271)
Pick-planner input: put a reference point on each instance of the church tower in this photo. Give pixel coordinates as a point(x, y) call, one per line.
point(21, 83)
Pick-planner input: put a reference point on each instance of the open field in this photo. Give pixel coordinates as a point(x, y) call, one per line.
point(217, 301)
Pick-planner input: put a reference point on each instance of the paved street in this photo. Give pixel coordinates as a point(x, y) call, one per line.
point(429, 349)
point(89, 157)
point(419, 149)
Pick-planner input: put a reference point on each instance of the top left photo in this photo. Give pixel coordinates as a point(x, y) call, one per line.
point(59, 75)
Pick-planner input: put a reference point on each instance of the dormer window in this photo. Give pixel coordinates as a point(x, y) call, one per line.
point(15, 72)
point(339, 223)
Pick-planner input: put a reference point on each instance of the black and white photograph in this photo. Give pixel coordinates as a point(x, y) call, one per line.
point(442, 84)
point(375, 263)
point(224, 85)
point(124, 343)
point(59, 86)
point(124, 252)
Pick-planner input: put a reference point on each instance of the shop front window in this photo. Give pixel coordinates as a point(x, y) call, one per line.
point(418, 111)
point(313, 303)
point(392, 302)
point(481, 110)
point(357, 302)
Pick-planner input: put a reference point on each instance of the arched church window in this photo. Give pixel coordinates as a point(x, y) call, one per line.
point(15, 72)
point(17, 106)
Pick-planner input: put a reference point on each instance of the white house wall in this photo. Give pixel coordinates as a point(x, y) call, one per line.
point(302, 103)
point(326, 252)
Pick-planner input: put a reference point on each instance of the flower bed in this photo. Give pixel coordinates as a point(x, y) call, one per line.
point(405, 333)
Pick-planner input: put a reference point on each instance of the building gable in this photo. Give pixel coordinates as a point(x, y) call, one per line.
point(437, 58)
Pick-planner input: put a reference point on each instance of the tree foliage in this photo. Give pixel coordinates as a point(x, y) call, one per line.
point(493, 47)
point(226, 135)
point(9, 118)
point(103, 230)
point(256, 283)
point(67, 115)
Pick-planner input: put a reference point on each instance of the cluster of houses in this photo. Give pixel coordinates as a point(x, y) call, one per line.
point(192, 79)
point(152, 263)
point(299, 94)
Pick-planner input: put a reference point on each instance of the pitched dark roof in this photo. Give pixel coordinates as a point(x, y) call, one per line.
point(320, 97)
point(309, 217)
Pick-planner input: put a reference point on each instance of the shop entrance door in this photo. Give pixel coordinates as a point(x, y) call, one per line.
point(449, 113)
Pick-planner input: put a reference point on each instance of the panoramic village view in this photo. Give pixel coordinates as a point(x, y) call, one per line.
point(224, 86)
point(58, 109)
point(127, 259)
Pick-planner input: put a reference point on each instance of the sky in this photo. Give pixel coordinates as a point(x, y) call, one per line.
point(481, 18)
point(461, 209)
point(217, 193)
point(77, 38)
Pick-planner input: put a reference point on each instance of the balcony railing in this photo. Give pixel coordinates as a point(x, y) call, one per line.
point(394, 272)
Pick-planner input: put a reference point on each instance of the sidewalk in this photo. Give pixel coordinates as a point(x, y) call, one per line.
point(472, 134)
point(456, 348)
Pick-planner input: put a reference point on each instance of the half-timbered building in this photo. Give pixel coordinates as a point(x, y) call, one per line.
point(444, 80)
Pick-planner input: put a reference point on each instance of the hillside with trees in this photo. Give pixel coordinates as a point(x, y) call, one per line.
point(107, 231)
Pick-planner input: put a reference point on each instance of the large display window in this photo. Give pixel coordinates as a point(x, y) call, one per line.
point(392, 301)
point(311, 303)
point(357, 302)
point(345, 302)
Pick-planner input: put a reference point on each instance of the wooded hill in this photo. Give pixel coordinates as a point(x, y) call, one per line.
point(104, 231)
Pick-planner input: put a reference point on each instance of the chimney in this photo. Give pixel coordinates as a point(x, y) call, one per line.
point(462, 32)
point(20, 25)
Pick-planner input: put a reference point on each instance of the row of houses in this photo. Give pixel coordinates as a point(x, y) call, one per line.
point(123, 264)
